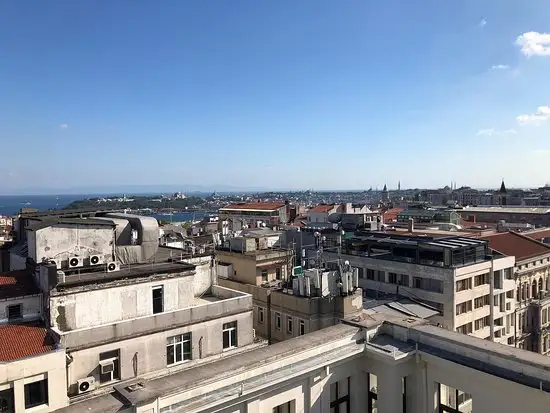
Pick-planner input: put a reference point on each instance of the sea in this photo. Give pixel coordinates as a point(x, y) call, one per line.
point(11, 205)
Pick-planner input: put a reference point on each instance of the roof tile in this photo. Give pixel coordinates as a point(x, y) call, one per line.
point(518, 245)
point(17, 284)
point(24, 340)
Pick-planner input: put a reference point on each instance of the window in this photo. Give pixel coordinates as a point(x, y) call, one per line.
point(178, 349)
point(373, 393)
point(370, 274)
point(465, 329)
point(277, 273)
point(463, 307)
point(302, 327)
point(36, 393)
point(392, 278)
point(109, 366)
point(482, 322)
point(230, 335)
point(451, 400)
point(278, 321)
point(481, 279)
point(463, 285)
point(15, 312)
point(289, 323)
point(264, 275)
point(260, 315)
point(339, 396)
point(403, 280)
point(544, 316)
point(417, 282)
point(288, 407)
point(158, 299)
point(481, 301)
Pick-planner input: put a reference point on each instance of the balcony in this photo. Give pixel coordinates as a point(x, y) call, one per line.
point(221, 302)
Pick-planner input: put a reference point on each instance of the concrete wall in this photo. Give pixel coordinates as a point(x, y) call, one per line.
point(145, 354)
point(202, 280)
point(244, 266)
point(62, 241)
point(76, 310)
point(31, 307)
point(49, 366)
point(17, 262)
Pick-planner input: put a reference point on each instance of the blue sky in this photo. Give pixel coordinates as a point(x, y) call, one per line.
point(281, 94)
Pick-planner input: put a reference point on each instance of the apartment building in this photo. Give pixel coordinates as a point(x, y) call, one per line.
point(472, 287)
point(99, 304)
point(532, 277)
point(282, 308)
point(386, 365)
point(255, 215)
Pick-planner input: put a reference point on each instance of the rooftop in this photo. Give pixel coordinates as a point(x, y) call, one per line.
point(24, 340)
point(254, 206)
point(518, 245)
point(322, 208)
point(16, 284)
point(48, 222)
point(507, 210)
point(538, 233)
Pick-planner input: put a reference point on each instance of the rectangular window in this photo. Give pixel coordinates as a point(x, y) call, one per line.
point(278, 321)
point(417, 282)
point(230, 335)
point(370, 274)
point(260, 315)
point(392, 278)
point(109, 366)
point(465, 329)
point(544, 316)
point(403, 280)
point(288, 407)
point(463, 285)
point(158, 299)
point(340, 396)
point(373, 393)
point(277, 273)
point(36, 394)
point(481, 301)
point(302, 327)
point(264, 275)
point(481, 279)
point(482, 322)
point(178, 348)
point(15, 312)
point(289, 323)
point(463, 307)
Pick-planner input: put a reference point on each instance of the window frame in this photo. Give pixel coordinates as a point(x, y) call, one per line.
point(183, 339)
point(112, 356)
point(161, 298)
point(19, 308)
point(277, 321)
point(289, 324)
point(31, 393)
point(302, 329)
point(261, 316)
point(231, 330)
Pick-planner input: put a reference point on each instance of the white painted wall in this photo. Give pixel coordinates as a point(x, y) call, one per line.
point(80, 309)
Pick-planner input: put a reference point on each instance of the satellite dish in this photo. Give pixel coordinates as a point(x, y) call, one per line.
point(335, 218)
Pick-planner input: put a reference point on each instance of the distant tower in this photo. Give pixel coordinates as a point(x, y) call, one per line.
point(399, 185)
point(502, 189)
point(385, 193)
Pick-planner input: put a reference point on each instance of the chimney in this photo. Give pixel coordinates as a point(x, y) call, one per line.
point(411, 225)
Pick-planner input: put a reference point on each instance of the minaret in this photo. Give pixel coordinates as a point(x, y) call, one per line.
point(385, 193)
point(399, 185)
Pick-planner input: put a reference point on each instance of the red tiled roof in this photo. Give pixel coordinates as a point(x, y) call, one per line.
point(391, 214)
point(322, 208)
point(17, 284)
point(514, 244)
point(263, 206)
point(23, 340)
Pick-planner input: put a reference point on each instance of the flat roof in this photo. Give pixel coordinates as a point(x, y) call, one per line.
point(402, 239)
point(17, 284)
point(508, 210)
point(253, 206)
point(24, 340)
point(44, 223)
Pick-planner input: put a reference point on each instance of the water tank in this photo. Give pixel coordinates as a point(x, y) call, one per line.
point(355, 278)
point(345, 282)
point(316, 278)
point(301, 286)
point(307, 286)
point(295, 286)
point(350, 282)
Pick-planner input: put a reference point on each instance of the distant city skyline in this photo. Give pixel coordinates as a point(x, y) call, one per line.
point(308, 94)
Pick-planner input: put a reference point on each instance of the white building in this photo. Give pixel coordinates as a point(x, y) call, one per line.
point(473, 289)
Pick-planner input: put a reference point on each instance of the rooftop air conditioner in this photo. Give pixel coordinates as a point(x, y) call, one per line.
point(107, 367)
point(96, 259)
point(85, 385)
point(75, 262)
point(112, 267)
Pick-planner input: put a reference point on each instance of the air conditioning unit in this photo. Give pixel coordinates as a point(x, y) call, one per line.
point(112, 267)
point(57, 263)
point(85, 385)
point(107, 367)
point(96, 259)
point(75, 262)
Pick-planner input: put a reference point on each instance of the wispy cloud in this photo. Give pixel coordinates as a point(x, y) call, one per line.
point(534, 44)
point(494, 132)
point(500, 67)
point(540, 116)
point(482, 23)
point(63, 126)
